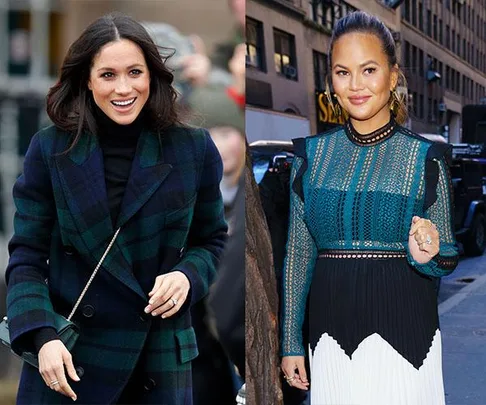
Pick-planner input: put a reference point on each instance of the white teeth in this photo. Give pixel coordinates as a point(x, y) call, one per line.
point(123, 103)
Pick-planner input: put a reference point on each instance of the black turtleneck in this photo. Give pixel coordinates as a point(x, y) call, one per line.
point(118, 143)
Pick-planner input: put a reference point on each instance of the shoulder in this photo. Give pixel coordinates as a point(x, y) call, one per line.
point(194, 139)
point(301, 145)
point(187, 134)
point(407, 133)
point(49, 140)
point(435, 150)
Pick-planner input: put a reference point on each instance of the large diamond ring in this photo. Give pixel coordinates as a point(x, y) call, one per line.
point(174, 301)
point(428, 240)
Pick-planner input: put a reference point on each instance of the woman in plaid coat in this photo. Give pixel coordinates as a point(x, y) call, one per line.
point(117, 157)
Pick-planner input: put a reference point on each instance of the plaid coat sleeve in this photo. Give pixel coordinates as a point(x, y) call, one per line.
point(28, 303)
point(208, 231)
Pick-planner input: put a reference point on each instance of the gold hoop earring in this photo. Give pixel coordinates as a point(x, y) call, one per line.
point(394, 101)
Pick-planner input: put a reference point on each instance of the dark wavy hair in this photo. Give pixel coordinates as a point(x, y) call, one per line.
point(362, 22)
point(70, 104)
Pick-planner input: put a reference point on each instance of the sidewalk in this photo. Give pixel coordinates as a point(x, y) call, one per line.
point(463, 328)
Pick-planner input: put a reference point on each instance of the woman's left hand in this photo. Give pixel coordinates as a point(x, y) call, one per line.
point(168, 294)
point(423, 240)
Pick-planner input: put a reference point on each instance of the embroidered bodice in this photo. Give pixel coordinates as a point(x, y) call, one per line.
point(360, 192)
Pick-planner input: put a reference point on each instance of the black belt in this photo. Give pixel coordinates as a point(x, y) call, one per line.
point(361, 254)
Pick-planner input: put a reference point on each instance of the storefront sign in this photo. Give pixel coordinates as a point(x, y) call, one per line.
point(325, 116)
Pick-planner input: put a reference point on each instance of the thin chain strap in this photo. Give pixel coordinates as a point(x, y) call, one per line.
point(93, 275)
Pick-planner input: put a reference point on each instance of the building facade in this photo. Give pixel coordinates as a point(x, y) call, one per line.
point(440, 44)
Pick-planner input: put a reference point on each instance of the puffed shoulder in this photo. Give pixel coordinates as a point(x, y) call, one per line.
point(300, 150)
point(436, 152)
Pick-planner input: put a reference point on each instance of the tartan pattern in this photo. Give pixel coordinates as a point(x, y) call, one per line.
point(171, 218)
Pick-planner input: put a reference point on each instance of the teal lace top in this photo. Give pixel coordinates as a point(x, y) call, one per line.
point(352, 191)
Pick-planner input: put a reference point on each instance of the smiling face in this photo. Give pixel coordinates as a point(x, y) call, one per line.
point(120, 81)
point(362, 80)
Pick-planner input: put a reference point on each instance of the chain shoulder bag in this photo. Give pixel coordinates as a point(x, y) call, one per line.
point(66, 329)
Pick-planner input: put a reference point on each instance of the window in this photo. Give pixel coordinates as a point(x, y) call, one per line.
point(453, 49)
point(320, 70)
point(414, 58)
point(414, 12)
point(421, 106)
point(464, 49)
point(458, 44)
point(406, 10)
point(19, 31)
point(448, 77)
point(458, 82)
point(325, 12)
point(429, 23)
point(435, 27)
point(284, 57)
point(421, 63)
point(255, 54)
point(441, 38)
point(448, 37)
point(407, 55)
point(421, 17)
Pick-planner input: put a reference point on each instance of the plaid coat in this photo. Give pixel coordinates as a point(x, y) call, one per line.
point(171, 219)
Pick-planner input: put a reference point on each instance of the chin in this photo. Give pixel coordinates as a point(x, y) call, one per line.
point(124, 120)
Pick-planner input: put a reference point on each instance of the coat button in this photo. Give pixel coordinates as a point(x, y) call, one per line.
point(79, 371)
point(88, 311)
point(181, 252)
point(149, 385)
point(68, 250)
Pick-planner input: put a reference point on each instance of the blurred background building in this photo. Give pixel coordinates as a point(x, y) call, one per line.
point(34, 37)
point(442, 48)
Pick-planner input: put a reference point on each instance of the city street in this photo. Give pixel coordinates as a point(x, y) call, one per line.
point(462, 314)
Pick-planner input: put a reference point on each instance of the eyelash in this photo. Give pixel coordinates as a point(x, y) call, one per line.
point(109, 75)
point(370, 70)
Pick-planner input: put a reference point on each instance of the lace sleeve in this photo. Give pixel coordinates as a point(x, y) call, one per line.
point(301, 254)
point(439, 209)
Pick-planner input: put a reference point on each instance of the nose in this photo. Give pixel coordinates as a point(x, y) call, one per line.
point(123, 85)
point(356, 82)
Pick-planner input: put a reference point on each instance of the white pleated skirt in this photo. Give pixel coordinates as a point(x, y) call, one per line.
point(376, 374)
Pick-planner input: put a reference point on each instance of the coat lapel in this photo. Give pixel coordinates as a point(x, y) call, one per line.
point(147, 174)
point(81, 174)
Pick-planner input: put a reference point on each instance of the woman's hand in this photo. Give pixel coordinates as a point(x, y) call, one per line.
point(423, 240)
point(289, 365)
point(168, 295)
point(53, 357)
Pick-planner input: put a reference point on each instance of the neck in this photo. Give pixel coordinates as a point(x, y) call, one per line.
point(372, 124)
point(108, 128)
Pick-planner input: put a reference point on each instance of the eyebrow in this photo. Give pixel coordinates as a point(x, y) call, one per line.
point(128, 67)
point(368, 62)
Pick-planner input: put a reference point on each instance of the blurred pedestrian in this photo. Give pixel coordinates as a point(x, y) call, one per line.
point(118, 157)
point(370, 231)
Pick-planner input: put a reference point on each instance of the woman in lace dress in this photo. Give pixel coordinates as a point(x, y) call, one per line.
point(370, 231)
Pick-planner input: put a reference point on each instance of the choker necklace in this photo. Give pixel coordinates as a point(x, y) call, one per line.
point(372, 138)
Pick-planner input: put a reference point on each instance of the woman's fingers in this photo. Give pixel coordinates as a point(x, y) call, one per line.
point(53, 356)
point(170, 296)
point(289, 366)
point(175, 303)
point(158, 283)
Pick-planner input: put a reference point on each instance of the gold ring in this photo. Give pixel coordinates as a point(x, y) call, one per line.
point(54, 382)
